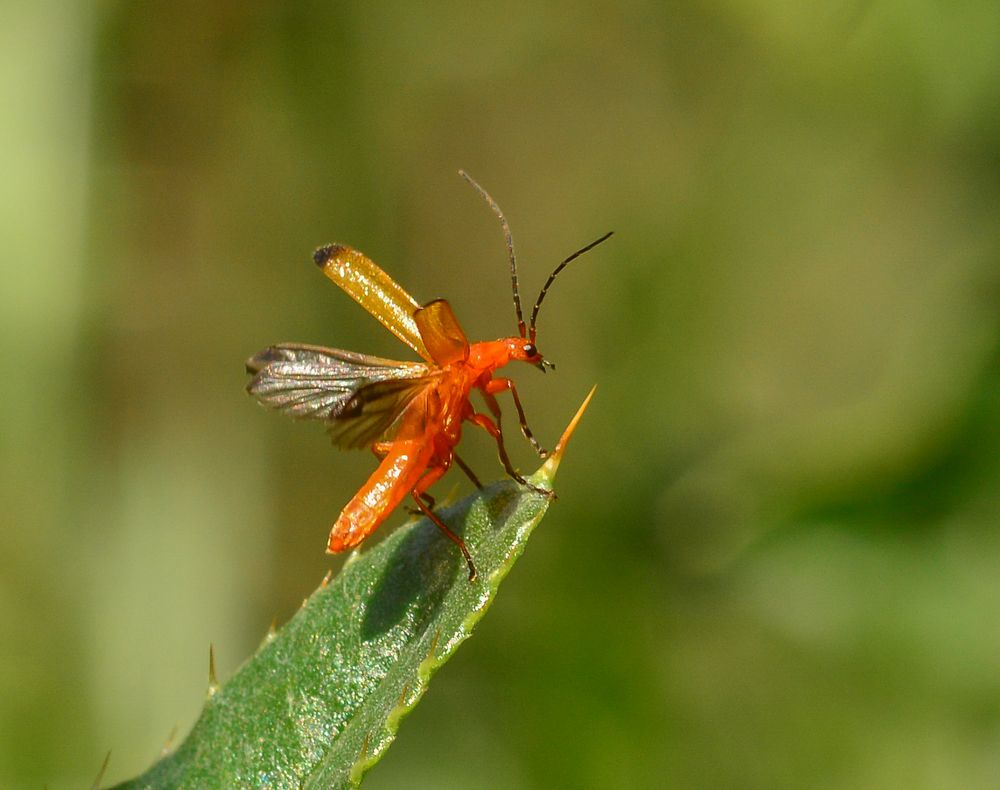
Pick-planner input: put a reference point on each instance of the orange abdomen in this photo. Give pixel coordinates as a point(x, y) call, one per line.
point(394, 479)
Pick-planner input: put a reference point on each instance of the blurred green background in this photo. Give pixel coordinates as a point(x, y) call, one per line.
point(775, 560)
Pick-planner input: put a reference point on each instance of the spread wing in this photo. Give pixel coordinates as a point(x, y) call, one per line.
point(358, 396)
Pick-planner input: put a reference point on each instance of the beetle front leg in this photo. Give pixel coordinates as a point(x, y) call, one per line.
point(493, 386)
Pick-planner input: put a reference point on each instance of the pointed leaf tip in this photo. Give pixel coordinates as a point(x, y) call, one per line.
point(548, 470)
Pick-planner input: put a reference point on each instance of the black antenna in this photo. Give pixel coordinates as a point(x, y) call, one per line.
point(548, 282)
point(510, 246)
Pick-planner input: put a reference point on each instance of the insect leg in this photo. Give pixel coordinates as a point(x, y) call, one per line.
point(468, 471)
point(418, 491)
point(499, 385)
point(493, 430)
point(427, 499)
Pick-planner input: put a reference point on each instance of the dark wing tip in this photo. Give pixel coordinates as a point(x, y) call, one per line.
point(254, 365)
point(263, 358)
point(323, 254)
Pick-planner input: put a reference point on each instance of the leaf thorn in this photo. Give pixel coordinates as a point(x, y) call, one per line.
point(548, 470)
point(168, 745)
point(213, 679)
point(100, 774)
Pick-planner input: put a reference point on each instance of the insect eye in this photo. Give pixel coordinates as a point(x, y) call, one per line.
point(530, 350)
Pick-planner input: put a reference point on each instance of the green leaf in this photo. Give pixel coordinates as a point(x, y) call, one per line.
point(322, 699)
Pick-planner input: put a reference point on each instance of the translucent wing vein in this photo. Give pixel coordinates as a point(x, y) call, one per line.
point(358, 396)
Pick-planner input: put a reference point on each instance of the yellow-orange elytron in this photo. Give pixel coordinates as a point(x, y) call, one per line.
point(409, 413)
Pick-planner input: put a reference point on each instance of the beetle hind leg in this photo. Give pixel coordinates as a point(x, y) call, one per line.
point(424, 504)
point(468, 472)
point(448, 534)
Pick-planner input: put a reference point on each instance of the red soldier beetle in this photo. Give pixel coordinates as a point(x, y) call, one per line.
point(409, 413)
